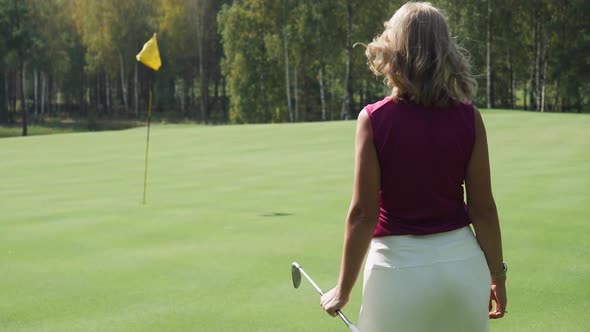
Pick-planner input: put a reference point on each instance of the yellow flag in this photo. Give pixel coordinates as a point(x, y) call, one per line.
point(150, 55)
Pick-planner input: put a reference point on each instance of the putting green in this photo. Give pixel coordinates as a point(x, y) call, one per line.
point(230, 207)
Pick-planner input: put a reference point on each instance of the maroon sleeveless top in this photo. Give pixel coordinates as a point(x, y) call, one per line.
point(423, 154)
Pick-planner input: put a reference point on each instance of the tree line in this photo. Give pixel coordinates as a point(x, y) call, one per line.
point(251, 61)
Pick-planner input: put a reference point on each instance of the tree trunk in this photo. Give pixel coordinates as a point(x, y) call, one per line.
point(36, 91)
point(216, 92)
point(204, 85)
point(14, 95)
point(542, 68)
point(47, 93)
point(489, 87)
point(265, 106)
point(107, 89)
point(43, 92)
point(332, 94)
point(534, 64)
point(136, 89)
point(87, 101)
point(123, 83)
point(81, 97)
point(512, 81)
point(182, 88)
point(346, 104)
point(287, 80)
point(296, 92)
point(542, 83)
point(6, 97)
point(97, 96)
point(203, 76)
point(363, 93)
point(322, 94)
point(224, 104)
point(556, 97)
point(50, 94)
point(23, 104)
point(303, 92)
point(525, 95)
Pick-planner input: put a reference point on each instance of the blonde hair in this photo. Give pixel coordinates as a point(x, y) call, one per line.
point(419, 58)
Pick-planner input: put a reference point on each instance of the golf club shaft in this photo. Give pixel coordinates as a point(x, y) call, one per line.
point(346, 321)
point(311, 281)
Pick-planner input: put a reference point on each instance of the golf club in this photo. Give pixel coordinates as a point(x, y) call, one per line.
point(297, 271)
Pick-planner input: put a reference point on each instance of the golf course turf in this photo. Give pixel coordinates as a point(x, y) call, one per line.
point(230, 207)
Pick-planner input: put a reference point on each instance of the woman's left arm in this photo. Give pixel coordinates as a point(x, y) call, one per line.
point(362, 217)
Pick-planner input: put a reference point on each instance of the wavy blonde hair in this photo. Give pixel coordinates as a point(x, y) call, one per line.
point(419, 58)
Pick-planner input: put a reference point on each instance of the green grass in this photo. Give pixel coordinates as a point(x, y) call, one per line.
point(230, 207)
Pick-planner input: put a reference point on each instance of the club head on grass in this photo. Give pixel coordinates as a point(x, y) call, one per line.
point(296, 274)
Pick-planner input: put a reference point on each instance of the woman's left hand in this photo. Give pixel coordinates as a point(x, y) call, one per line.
point(333, 301)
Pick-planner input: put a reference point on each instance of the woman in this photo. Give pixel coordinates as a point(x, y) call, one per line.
point(425, 269)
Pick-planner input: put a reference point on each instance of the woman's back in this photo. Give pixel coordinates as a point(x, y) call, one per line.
point(423, 154)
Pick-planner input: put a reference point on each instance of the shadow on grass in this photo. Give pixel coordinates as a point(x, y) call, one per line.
point(62, 126)
point(276, 214)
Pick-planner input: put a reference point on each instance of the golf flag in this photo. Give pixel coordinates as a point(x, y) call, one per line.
point(150, 54)
point(150, 57)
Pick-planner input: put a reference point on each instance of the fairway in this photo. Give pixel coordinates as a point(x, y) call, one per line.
point(230, 207)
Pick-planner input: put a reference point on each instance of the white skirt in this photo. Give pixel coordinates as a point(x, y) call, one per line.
point(437, 282)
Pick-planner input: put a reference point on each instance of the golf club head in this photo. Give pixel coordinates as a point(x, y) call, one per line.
point(296, 274)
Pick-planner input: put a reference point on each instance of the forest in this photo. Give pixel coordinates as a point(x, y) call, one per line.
point(269, 61)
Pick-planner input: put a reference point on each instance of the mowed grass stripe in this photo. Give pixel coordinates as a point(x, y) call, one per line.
point(230, 207)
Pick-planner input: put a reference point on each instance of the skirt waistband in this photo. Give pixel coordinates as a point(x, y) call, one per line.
point(399, 251)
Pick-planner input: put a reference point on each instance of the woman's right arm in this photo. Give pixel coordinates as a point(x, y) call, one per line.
point(484, 216)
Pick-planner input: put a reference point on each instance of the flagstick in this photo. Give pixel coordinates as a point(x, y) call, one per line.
point(147, 144)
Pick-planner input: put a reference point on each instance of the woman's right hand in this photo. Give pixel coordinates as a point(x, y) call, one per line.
point(498, 296)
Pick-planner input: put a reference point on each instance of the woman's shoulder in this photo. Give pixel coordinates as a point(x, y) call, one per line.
point(379, 105)
point(465, 106)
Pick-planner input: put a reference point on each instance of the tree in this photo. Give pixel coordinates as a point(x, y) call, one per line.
point(19, 39)
point(193, 48)
point(249, 43)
